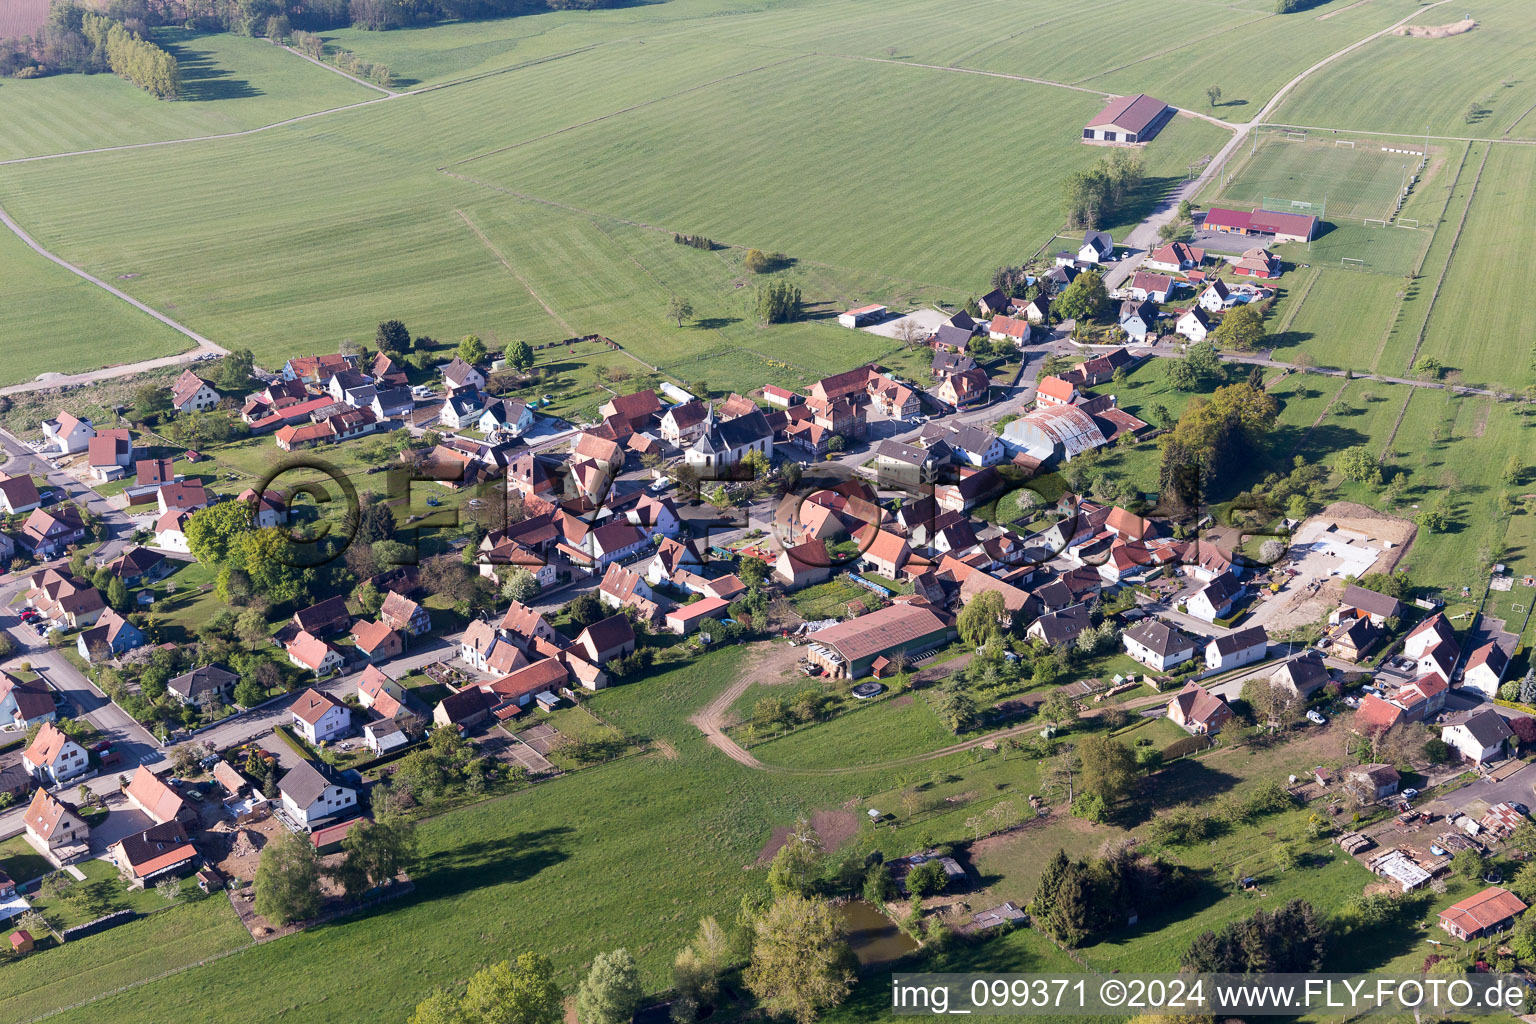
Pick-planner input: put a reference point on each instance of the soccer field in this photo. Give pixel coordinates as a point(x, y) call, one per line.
point(1357, 181)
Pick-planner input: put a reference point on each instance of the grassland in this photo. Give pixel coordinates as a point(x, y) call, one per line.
point(1342, 321)
point(232, 84)
point(893, 728)
point(1461, 85)
point(1478, 325)
point(53, 321)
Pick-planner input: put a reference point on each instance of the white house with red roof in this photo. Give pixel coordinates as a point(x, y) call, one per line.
point(53, 758)
point(1054, 391)
point(191, 393)
point(1198, 710)
point(55, 830)
point(318, 718)
point(69, 433)
point(310, 652)
point(1485, 670)
point(147, 792)
point(170, 530)
point(1128, 119)
point(18, 494)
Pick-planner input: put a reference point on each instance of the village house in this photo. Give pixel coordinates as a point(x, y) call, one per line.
point(1062, 626)
point(724, 444)
point(318, 718)
point(1372, 782)
point(55, 830)
point(1478, 736)
point(18, 494)
point(1193, 324)
point(975, 487)
point(896, 401)
point(1432, 646)
point(607, 639)
point(1216, 599)
point(1157, 645)
point(138, 566)
point(883, 552)
point(308, 651)
point(147, 792)
point(24, 704)
point(1215, 297)
point(1128, 119)
point(110, 636)
point(377, 692)
point(511, 415)
point(324, 619)
point(1484, 670)
point(377, 641)
point(314, 369)
point(1353, 639)
point(1174, 258)
point(1260, 263)
point(1198, 710)
point(962, 390)
point(685, 618)
point(52, 758)
point(1358, 602)
point(1097, 247)
point(1301, 676)
point(1242, 647)
point(1053, 391)
point(803, 565)
point(213, 680)
point(1492, 910)
point(1421, 699)
point(109, 455)
point(186, 495)
point(1007, 328)
point(68, 433)
point(170, 531)
point(391, 405)
point(462, 409)
point(1151, 287)
point(994, 303)
point(309, 796)
point(161, 851)
point(191, 393)
point(400, 612)
point(459, 374)
point(963, 443)
point(1137, 318)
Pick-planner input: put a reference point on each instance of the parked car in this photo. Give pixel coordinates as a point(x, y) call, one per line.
point(1410, 793)
point(1313, 716)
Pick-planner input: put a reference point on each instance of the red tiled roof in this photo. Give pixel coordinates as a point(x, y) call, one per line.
point(1486, 909)
point(159, 801)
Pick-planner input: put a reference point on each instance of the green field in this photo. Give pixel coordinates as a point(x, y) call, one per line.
point(1400, 84)
point(52, 321)
point(231, 83)
point(1342, 320)
point(1478, 326)
point(893, 728)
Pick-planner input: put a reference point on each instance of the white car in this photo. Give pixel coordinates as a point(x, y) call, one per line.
point(1314, 717)
point(1410, 793)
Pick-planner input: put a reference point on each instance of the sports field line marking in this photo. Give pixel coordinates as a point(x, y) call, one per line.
point(513, 271)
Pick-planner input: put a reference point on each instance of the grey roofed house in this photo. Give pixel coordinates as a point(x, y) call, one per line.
point(907, 454)
point(1240, 640)
point(305, 784)
point(1302, 675)
point(189, 686)
point(954, 337)
point(964, 321)
point(995, 302)
point(1370, 602)
point(1062, 626)
point(947, 363)
point(1221, 589)
point(1159, 637)
point(1486, 725)
point(1102, 243)
point(1060, 277)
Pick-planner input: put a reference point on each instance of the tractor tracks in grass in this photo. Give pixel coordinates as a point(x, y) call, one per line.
point(1449, 255)
point(502, 259)
point(1386, 445)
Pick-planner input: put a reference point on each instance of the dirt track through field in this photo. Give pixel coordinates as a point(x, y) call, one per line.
point(768, 669)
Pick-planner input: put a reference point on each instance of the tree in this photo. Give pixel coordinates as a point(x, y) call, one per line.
point(778, 303)
point(1355, 463)
point(472, 349)
point(1058, 708)
point(1242, 329)
point(117, 594)
point(392, 338)
point(1182, 375)
point(267, 558)
point(794, 867)
point(611, 990)
point(288, 879)
point(1084, 299)
point(800, 959)
point(699, 966)
point(214, 532)
point(927, 879)
point(1213, 93)
point(150, 401)
point(234, 371)
point(249, 693)
point(520, 585)
point(519, 356)
point(1429, 367)
point(980, 619)
point(1109, 769)
point(369, 599)
point(752, 571)
point(379, 850)
point(679, 309)
point(504, 993)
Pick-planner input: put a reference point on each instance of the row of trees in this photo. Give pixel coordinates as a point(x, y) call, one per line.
point(1096, 195)
point(288, 879)
point(1291, 939)
point(133, 57)
point(1079, 900)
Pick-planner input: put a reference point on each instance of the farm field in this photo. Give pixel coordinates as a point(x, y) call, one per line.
point(52, 321)
point(231, 83)
point(1478, 327)
point(1342, 320)
point(1458, 85)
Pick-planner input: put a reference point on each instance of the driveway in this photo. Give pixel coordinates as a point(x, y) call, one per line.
point(122, 820)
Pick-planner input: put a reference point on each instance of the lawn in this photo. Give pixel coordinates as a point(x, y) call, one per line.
point(21, 861)
point(166, 941)
point(1476, 327)
point(103, 891)
point(892, 728)
point(1460, 85)
point(52, 321)
point(231, 84)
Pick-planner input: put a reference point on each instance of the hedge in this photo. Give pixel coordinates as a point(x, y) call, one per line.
point(1187, 745)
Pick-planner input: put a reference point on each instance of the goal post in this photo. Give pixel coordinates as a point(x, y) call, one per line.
point(1343, 142)
point(1407, 222)
point(1351, 263)
point(1375, 222)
